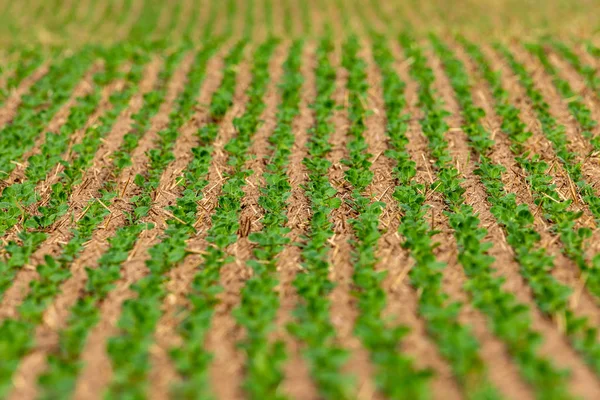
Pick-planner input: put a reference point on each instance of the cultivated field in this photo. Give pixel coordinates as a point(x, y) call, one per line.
point(319, 199)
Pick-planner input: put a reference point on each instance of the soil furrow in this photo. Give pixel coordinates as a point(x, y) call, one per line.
point(343, 304)
point(297, 383)
point(97, 373)
point(554, 346)
point(565, 270)
point(83, 88)
point(60, 231)
point(55, 317)
point(12, 103)
point(163, 374)
point(227, 369)
point(403, 300)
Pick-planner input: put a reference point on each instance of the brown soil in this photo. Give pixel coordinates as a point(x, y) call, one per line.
point(297, 383)
point(343, 303)
point(402, 298)
point(555, 345)
point(227, 368)
point(97, 372)
point(565, 270)
point(55, 317)
point(163, 373)
point(12, 103)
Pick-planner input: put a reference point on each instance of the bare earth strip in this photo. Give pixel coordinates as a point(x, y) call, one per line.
point(97, 373)
point(12, 103)
point(565, 271)
point(227, 368)
point(60, 231)
point(163, 374)
point(297, 383)
point(343, 304)
point(402, 298)
point(503, 372)
point(55, 317)
point(83, 88)
point(554, 345)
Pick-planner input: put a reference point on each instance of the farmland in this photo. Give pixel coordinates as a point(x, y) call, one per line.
point(277, 199)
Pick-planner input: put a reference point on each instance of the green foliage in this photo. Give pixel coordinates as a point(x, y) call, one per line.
point(456, 342)
point(509, 319)
point(191, 358)
point(396, 376)
point(259, 300)
point(551, 296)
point(312, 324)
point(140, 315)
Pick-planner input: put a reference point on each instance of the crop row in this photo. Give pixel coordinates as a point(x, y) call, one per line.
point(64, 361)
point(82, 154)
point(575, 104)
point(39, 106)
point(396, 376)
point(259, 299)
point(17, 340)
point(555, 208)
point(456, 342)
point(141, 314)
point(509, 319)
point(551, 296)
point(191, 358)
point(312, 321)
